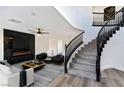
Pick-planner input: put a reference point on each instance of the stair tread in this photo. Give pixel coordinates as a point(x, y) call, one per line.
point(80, 65)
point(82, 74)
point(89, 49)
point(87, 53)
point(85, 59)
point(91, 52)
point(83, 67)
point(84, 63)
point(86, 56)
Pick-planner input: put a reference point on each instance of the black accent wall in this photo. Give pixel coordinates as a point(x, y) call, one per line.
point(18, 46)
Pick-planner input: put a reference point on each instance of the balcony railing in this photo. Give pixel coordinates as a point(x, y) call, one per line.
point(98, 19)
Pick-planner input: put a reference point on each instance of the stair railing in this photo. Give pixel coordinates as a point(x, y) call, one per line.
point(105, 33)
point(71, 47)
point(98, 20)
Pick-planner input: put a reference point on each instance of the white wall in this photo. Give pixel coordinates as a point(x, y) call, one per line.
point(53, 43)
point(46, 17)
point(41, 44)
point(80, 17)
point(1, 45)
point(84, 19)
point(113, 53)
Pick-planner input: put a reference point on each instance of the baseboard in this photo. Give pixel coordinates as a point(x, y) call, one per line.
point(106, 67)
point(112, 66)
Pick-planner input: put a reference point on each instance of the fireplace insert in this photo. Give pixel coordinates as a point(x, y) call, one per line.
point(18, 46)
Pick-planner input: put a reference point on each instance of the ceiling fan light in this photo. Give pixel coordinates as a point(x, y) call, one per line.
point(38, 34)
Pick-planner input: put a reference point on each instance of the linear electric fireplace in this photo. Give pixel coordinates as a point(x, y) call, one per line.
point(18, 46)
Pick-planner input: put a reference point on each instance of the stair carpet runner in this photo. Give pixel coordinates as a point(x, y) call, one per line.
point(83, 64)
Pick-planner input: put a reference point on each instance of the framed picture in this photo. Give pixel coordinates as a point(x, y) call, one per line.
point(109, 13)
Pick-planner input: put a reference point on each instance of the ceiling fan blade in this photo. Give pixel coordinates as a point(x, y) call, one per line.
point(32, 31)
point(45, 33)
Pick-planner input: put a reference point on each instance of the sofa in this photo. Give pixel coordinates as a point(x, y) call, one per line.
point(10, 76)
point(41, 56)
point(58, 59)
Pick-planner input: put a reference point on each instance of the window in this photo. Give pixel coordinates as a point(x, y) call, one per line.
point(60, 47)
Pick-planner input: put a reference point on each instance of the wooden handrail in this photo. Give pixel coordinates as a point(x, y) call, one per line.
point(73, 40)
point(101, 12)
point(67, 56)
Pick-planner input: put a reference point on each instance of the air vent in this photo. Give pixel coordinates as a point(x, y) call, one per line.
point(15, 21)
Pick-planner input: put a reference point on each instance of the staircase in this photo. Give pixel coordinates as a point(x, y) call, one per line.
point(84, 62)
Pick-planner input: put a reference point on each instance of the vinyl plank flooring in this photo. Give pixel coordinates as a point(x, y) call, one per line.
point(44, 76)
point(47, 74)
point(52, 76)
point(75, 82)
point(56, 80)
point(110, 78)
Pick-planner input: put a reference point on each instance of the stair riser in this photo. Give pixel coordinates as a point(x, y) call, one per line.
point(87, 53)
point(84, 62)
point(93, 42)
point(89, 49)
point(86, 57)
point(83, 67)
point(90, 46)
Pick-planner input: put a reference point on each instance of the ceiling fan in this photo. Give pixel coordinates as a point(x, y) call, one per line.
point(38, 31)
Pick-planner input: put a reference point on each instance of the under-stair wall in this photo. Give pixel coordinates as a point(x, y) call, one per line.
point(113, 53)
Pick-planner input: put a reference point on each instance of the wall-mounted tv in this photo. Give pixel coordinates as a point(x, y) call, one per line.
point(20, 43)
point(14, 40)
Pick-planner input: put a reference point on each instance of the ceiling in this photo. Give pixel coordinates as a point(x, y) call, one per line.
point(30, 17)
point(76, 15)
point(59, 20)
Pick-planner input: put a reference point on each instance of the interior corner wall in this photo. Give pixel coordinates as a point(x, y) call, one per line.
point(113, 53)
point(1, 45)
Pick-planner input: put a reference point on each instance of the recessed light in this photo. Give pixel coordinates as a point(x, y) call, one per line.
point(33, 14)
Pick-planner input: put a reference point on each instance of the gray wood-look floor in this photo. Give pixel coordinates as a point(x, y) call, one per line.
point(110, 78)
point(47, 74)
point(44, 76)
point(52, 76)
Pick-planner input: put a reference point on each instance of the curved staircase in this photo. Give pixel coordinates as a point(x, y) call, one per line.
point(84, 62)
